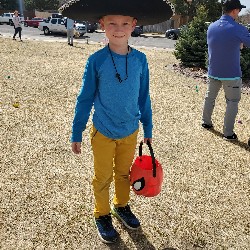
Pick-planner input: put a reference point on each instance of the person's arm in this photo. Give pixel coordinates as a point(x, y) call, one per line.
point(14, 22)
point(84, 103)
point(245, 36)
point(145, 103)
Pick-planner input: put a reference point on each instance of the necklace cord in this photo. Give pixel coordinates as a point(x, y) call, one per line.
point(117, 75)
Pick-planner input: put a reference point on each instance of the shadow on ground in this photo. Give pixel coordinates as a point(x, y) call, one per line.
point(237, 142)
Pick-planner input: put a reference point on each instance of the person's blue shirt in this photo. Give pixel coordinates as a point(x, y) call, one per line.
point(118, 107)
point(70, 24)
point(224, 38)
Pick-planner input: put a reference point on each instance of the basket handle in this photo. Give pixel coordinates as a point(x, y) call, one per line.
point(151, 153)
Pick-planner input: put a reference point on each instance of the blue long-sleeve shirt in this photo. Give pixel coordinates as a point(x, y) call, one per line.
point(118, 107)
point(224, 38)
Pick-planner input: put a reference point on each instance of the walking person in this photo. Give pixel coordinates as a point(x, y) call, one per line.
point(116, 83)
point(17, 25)
point(224, 39)
point(70, 24)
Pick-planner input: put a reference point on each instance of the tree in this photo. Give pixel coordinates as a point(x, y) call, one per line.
point(191, 48)
point(8, 4)
point(213, 7)
point(245, 62)
point(41, 4)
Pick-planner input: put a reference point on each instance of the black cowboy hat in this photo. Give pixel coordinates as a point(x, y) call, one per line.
point(147, 12)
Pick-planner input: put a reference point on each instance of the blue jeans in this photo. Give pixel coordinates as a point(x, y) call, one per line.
point(18, 30)
point(232, 90)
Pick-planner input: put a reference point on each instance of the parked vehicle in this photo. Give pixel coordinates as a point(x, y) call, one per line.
point(34, 22)
point(57, 25)
point(52, 25)
point(137, 31)
point(248, 27)
point(91, 27)
point(81, 28)
point(7, 18)
point(174, 33)
point(56, 15)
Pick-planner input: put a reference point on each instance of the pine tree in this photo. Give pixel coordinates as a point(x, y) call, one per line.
point(41, 4)
point(8, 4)
point(245, 63)
point(191, 48)
point(182, 7)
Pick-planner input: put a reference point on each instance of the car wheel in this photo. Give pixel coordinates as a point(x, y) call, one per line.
point(11, 23)
point(46, 31)
point(25, 24)
point(172, 36)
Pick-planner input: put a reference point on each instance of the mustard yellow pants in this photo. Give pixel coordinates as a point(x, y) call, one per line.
point(112, 160)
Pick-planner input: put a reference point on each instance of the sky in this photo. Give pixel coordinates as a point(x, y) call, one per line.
point(246, 3)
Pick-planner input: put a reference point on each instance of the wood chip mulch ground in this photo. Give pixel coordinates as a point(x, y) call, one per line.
point(46, 198)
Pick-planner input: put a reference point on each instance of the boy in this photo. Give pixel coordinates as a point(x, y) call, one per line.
point(116, 81)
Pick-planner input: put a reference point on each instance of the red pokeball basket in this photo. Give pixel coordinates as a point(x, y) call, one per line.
point(146, 174)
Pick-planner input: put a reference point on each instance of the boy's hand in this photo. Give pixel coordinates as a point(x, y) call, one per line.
point(148, 139)
point(76, 147)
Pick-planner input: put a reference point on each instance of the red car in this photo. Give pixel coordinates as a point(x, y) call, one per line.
point(34, 22)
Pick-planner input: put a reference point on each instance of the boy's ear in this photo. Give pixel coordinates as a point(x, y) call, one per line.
point(134, 22)
point(101, 21)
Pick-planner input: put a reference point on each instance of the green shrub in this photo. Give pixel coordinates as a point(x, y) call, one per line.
point(191, 47)
point(245, 63)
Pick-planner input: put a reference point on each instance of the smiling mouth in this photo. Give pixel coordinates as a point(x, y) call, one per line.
point(118, 36)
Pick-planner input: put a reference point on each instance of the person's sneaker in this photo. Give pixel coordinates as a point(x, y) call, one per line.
point(105, 229)
point(231, 137)
point(207, 126)
point(125, 215)
point(14, 38)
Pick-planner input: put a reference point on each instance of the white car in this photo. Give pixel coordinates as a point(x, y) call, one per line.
point(52, 25)
point(57, 25)
point(7, 18)
point(81, 28)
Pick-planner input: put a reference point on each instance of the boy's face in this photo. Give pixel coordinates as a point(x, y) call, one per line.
point(118, 28)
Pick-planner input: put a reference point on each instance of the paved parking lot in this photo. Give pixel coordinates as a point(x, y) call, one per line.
point(146, 40)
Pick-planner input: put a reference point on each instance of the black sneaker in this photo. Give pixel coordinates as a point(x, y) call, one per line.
point(207, 126)
point(231, 137)
point(126, 216)
point(105, 229)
